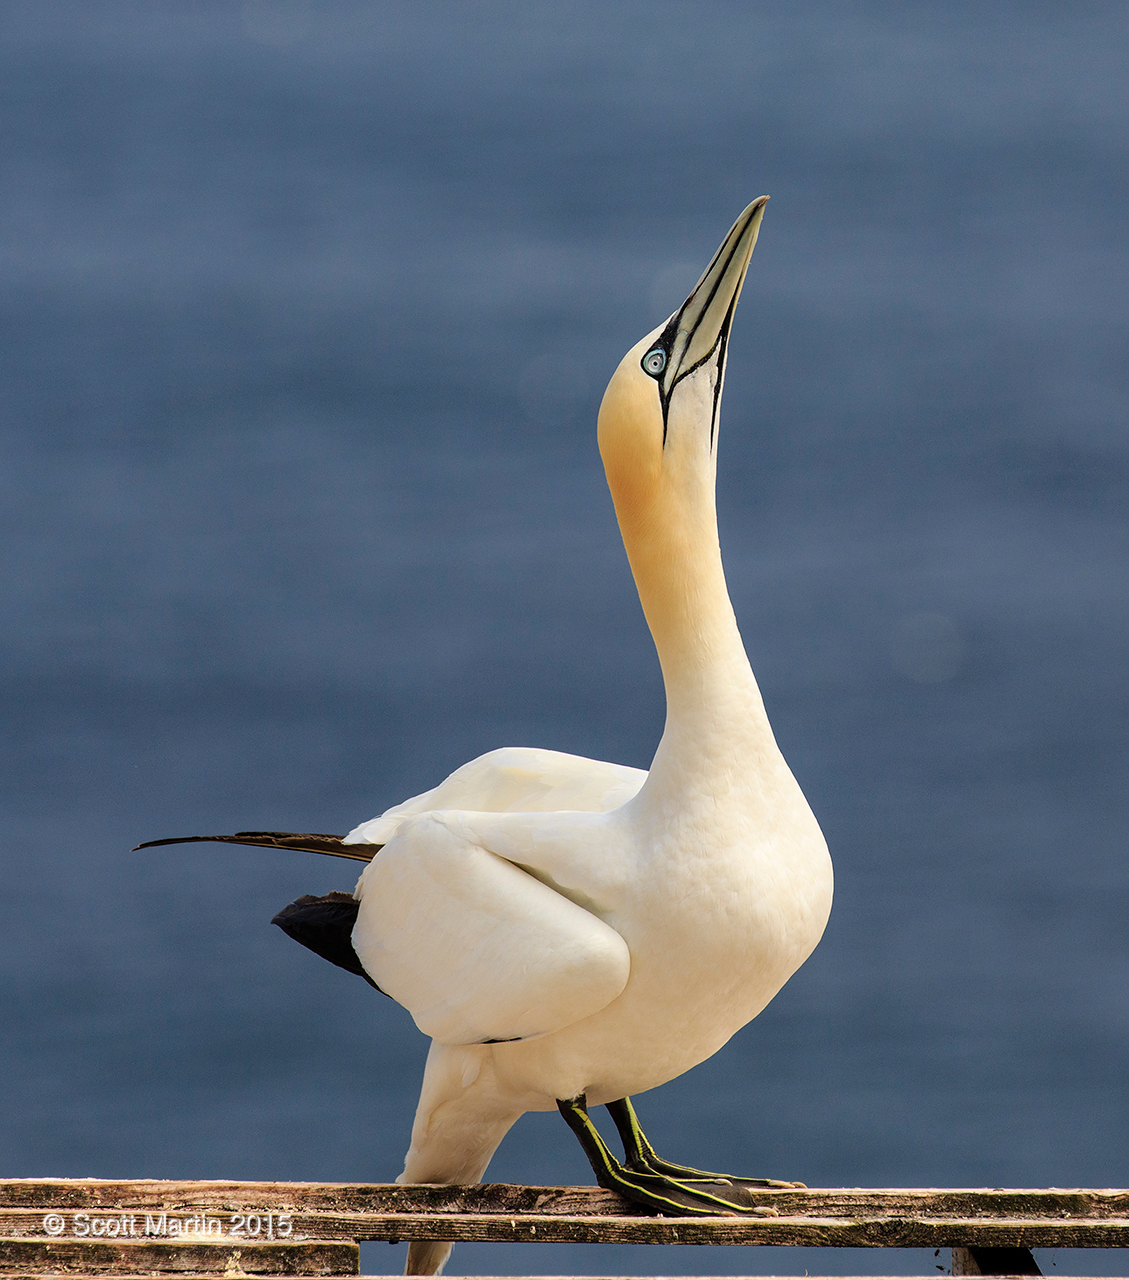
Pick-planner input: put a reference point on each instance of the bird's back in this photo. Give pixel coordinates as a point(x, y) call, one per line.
point(515, 780)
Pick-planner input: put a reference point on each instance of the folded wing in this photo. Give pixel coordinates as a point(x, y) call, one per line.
point(515, 780)
point(476, 949)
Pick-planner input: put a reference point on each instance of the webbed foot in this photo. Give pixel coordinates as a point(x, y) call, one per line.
point(644, 1178)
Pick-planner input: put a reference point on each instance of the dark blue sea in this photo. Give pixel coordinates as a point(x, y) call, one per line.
point(306, 310)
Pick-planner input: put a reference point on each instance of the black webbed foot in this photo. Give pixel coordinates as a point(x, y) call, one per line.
point(640, 1155)
point(645, 1179)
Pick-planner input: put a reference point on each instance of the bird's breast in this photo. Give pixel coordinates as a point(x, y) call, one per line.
point(730, 909)
point(720, 910)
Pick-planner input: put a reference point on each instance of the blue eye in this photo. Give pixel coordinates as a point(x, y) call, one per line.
point(654, 362)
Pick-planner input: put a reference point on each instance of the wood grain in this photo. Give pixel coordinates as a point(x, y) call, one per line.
point(852, 1218)
point(125, 1257)
point(502, 1198)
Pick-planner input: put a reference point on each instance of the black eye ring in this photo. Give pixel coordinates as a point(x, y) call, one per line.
point(654, 362)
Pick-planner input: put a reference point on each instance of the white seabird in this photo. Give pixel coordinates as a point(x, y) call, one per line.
point(570, 932)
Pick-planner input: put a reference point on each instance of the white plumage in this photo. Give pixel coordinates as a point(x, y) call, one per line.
point(515, 780)
point(613, 928)
point(569, 931)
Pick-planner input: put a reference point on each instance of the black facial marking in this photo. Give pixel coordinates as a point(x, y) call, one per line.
point(721, 349)
point(666, 342)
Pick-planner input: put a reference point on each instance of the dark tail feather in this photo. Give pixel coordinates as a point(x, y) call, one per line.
point(334, 846)
point(325, 925)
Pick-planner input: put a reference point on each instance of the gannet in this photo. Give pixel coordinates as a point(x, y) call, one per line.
point(570, 932)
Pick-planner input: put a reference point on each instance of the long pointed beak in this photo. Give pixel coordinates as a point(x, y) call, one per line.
point(704, 319)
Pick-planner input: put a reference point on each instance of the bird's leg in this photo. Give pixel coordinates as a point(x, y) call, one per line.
point(638, 1152)
point(699, 1195)
point(641, 1156)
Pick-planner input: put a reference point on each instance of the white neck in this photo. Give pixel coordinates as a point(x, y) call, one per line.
point(715, 720)
point(662, 476)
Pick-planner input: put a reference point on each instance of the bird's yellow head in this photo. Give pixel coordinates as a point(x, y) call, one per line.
point(659, 417)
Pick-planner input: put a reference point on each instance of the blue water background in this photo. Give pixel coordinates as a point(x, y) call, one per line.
point(305, 314)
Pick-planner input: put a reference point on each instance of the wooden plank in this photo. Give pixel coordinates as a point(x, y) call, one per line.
point(88, 1193)
point(503, 1199)
point(153, 1213)
point(244, 1228)
point(128, 1257)
point(894, 1231)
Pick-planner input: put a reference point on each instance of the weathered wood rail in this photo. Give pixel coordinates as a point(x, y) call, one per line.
point(97, 1227)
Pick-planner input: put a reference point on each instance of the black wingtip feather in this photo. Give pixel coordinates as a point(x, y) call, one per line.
point(325, 926)
point(303, 842)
